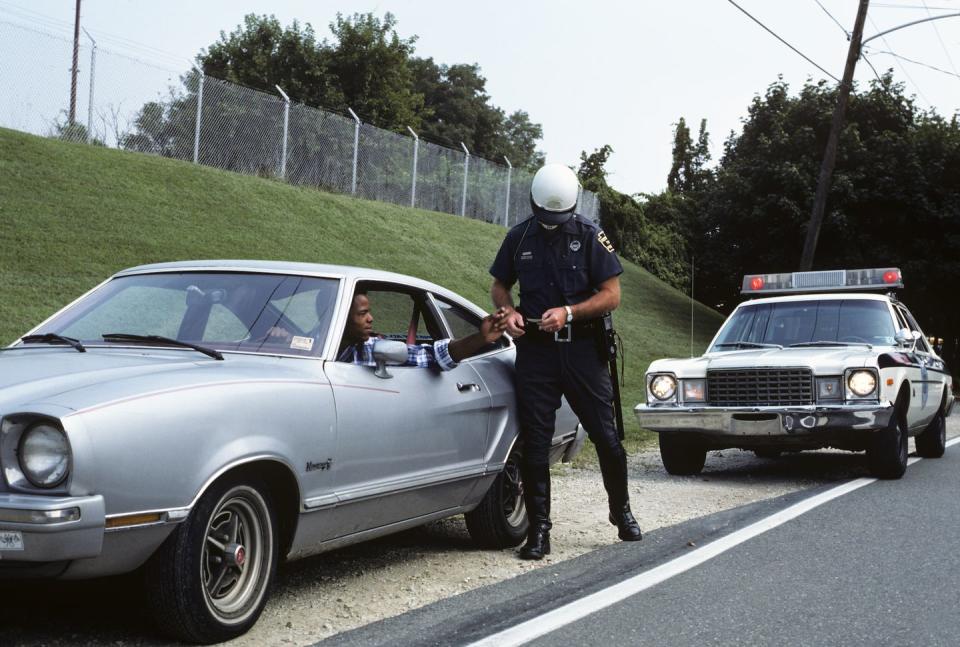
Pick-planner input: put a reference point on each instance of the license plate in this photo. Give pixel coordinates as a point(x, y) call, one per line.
point(11, 540)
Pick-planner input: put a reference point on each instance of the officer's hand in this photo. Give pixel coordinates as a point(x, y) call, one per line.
point(553, 319)
point(513, 321)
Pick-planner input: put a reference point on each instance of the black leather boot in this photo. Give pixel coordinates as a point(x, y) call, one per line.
point(536, 496)
point(613, 467)
point(627, 527)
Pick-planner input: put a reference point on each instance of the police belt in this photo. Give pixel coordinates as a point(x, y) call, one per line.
point(576, 331)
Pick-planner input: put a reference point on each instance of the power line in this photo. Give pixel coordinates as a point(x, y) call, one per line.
point(805, 57)
point(902, 69)
point(921, 63)
point(939, 38)
point(842, 28)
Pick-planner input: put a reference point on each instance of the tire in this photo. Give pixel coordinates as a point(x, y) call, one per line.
point(887, 451)
point(681, 456)
point(932, 442)
point(500, 521)
point(210, 579)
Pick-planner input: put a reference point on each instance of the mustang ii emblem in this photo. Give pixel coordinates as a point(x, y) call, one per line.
point(325, 465)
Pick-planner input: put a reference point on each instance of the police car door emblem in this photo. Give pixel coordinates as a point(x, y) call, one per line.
point(574, 245)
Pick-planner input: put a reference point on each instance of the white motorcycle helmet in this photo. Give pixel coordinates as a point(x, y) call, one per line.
point(553, 194)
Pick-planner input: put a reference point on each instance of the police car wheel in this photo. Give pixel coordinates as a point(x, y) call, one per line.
point(933, 441)
point(500, 521)
point(887, 452)
point(681, 456)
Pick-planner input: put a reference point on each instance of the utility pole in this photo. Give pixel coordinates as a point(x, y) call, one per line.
point(830, 155)
point(73, 75)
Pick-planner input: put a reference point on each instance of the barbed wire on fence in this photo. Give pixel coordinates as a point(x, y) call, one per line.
point(131, 104)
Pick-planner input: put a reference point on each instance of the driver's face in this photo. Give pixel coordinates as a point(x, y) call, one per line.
point(360, 323)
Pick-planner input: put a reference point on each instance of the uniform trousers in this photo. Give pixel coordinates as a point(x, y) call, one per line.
point(545, 370)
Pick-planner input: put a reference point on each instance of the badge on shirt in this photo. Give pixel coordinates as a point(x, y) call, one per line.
point(574, 245)
point(603, 240)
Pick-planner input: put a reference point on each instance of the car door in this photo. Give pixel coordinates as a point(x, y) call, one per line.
point(928, 381)
point(409, 445)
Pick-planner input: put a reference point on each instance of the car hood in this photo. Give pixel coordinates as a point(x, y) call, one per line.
point(38, 375)
point(823, 361)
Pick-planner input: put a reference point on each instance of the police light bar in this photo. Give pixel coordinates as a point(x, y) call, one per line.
point(823, 281)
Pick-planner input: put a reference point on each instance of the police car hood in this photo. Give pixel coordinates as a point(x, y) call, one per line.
point(822, 361)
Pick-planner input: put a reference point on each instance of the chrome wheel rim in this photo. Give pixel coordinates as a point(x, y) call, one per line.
point(514, 510)
point(236, 553)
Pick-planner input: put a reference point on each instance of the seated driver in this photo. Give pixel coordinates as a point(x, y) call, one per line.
point(358, 340)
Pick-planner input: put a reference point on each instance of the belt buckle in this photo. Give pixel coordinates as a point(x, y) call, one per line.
point(566, 337)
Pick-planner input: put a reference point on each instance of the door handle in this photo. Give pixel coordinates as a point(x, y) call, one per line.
point(467, 388)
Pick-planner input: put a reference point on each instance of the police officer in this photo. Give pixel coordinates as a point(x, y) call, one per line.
point(569, 277)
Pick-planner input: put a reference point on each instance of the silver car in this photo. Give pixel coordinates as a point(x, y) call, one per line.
point(191, 419)
point(827, 363)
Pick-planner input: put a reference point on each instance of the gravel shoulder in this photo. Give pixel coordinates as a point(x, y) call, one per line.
point(320, 596)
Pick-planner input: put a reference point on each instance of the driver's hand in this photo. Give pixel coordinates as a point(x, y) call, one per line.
point(276, 334)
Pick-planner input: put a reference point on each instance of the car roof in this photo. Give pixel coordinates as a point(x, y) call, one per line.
point(348, 272)
point(819, 296)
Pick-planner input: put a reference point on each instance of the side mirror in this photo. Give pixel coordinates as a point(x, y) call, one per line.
point(388, 351)
point(906, 337)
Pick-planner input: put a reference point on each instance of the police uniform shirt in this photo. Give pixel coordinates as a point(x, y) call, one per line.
point(556, 267)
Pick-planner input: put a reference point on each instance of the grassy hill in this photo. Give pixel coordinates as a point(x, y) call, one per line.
point(71, 215)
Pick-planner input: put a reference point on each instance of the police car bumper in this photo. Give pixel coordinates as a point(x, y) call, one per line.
point(765, 421)
point(48, 531)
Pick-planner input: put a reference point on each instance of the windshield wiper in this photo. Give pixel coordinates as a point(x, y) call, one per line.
point(162, 341)
point(747, 344)
point(830, 343)
point(53, 338)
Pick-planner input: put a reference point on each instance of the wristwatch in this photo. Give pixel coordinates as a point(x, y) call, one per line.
point(569, 313)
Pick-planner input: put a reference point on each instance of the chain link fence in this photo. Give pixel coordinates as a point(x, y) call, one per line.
point(123, 102)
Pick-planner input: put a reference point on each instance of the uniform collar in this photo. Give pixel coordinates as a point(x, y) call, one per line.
point(571, 226)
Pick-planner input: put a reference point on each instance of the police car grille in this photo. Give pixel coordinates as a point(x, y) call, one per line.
point(760, 387)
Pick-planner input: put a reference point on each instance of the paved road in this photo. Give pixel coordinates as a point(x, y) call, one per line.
point(877, 566)
point(873, 567)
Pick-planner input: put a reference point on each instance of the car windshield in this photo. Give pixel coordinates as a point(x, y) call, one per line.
point(819, 322)
point(269, 313)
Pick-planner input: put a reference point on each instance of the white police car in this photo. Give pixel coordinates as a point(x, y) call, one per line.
point(835, 361)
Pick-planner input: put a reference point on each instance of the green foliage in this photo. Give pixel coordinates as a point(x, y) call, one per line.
point(894, 199)
point(368, 68)
point(656, 243)
point(74, 214)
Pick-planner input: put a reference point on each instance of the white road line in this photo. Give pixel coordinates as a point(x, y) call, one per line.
point(568, 613)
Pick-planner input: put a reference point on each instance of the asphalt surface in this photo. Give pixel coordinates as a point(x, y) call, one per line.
point(873, 567)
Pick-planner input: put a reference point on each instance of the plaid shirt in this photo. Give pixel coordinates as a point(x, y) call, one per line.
point(422, 356)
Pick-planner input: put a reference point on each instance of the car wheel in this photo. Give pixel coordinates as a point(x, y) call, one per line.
point(887, 452)
point(681, 456)
point(500, 521)
point(209, 580)
point(932, 442)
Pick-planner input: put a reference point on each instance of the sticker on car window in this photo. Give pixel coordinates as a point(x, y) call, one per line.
point(301, 343)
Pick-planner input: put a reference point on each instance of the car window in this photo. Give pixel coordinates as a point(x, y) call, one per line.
point(922, 343)
point(252, 312)
point(463, 322)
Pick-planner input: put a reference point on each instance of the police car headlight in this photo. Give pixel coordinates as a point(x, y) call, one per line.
point(663, 387)
point(861, 383)
point(44, 455)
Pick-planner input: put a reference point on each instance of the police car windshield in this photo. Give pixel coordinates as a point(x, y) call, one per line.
point(818, 322)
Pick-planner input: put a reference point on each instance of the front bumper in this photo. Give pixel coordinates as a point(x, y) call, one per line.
point(42, 529)
point(765, 421)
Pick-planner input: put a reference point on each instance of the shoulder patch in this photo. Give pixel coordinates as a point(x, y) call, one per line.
point(603, 240)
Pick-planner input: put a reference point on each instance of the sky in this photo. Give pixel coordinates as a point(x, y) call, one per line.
point(592, 73)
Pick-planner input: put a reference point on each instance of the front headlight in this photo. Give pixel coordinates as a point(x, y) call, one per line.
point(44, 455)
point(861, 383)
point(663, 387)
